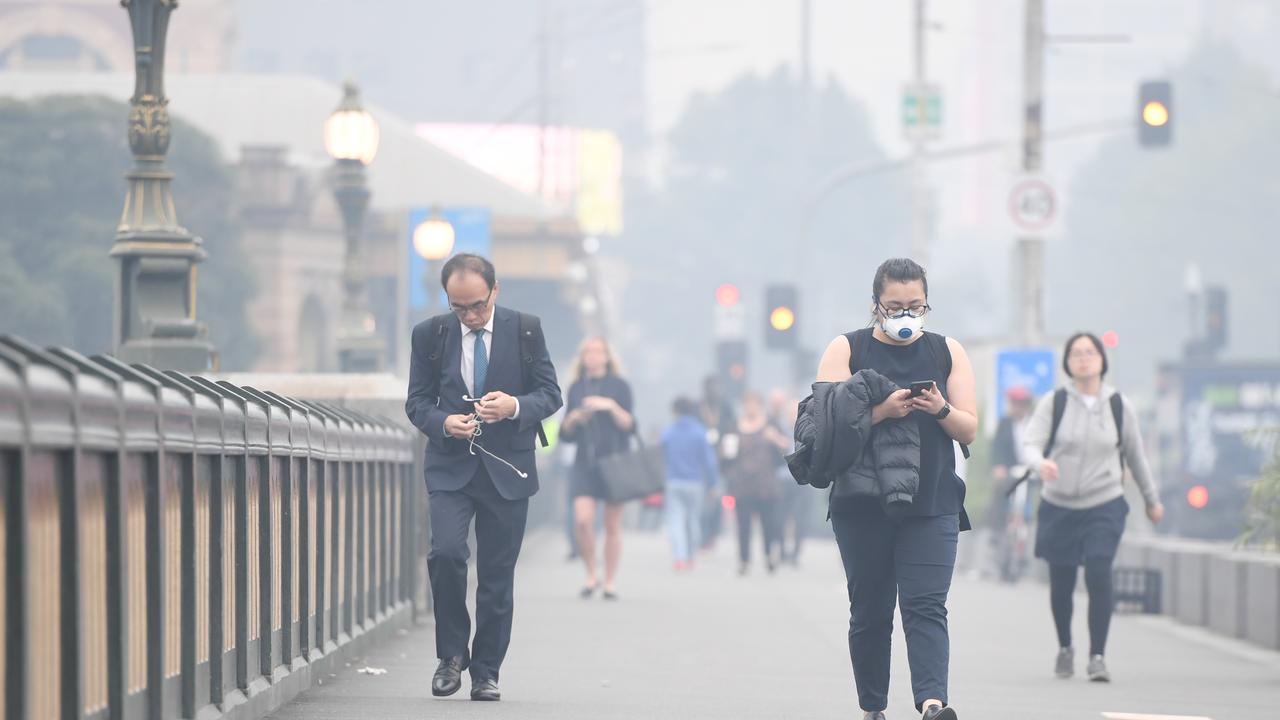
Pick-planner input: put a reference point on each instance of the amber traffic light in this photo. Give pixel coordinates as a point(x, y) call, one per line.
point(1155, 113)
point(780, 306)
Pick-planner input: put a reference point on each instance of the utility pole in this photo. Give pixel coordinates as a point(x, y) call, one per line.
point(806, 43)
point(1028, 264)
point(803, 164)
point(544, 93)
point(920, 200)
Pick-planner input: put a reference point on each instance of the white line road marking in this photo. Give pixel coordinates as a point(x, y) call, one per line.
point(1143, 716)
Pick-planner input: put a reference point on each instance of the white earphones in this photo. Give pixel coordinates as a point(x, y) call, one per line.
point(478, 432)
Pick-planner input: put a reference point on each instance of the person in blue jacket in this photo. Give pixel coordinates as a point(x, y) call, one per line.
point(691, 473)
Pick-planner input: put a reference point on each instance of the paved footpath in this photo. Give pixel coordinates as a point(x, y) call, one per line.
point(710, 644)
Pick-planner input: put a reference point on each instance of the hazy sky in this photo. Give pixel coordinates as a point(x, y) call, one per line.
point(974, 51)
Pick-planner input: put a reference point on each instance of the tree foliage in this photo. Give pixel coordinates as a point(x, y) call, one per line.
point(1262, 514)
point(61, 193)
point(742, 163)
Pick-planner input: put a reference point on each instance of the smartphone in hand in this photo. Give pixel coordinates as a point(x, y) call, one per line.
point(919, 387)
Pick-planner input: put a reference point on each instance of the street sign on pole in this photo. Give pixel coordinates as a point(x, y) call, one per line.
point(730, 322)
point(1033, 205)
point(922, 111)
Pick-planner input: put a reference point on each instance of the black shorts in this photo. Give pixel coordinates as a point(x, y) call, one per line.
point(1067, 537)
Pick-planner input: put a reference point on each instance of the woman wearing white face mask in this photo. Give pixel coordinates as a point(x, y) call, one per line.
point(908, 557)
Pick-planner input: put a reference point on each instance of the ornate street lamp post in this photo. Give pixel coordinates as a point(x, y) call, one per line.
point(351, 137)
point(155, 298)
point(433, 241)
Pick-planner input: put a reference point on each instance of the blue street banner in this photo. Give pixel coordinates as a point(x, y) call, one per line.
point(1031, 368)
point(471, 229)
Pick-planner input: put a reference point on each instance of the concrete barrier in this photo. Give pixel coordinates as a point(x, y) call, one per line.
point(1231, 592)
point(1262, 603)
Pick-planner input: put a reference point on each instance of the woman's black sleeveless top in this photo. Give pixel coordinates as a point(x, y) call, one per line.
point(941, 489)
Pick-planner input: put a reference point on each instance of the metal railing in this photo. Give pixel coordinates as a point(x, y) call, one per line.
point(174, 546)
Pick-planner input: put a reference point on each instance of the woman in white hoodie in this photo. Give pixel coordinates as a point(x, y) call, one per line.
point(1082, 508)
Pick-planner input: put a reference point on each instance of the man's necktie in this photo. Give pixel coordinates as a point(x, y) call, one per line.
point(481, 365)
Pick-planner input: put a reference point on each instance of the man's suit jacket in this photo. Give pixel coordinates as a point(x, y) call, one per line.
point(449, 464)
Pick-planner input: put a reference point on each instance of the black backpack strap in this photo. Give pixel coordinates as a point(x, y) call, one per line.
point(859, 342)
point(1117, 413)
point(1059, 409)
point(435, 338)
point(531, 339)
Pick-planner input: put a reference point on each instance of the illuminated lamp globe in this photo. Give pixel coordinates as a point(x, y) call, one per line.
point(351, 133)
point(433, 239)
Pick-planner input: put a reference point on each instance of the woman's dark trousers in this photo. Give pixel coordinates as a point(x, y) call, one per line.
point(769, 510)
point(910, 561)
point(1097, 579)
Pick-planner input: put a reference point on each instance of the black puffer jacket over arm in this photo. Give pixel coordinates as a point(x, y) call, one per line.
point(837, 443)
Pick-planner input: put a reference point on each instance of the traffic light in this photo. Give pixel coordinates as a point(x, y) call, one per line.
point(780, 306)
point(731, 367)
point(727, 294)
point(1155, 113)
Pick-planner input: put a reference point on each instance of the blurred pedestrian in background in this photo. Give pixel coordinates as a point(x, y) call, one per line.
point(1012, 499)
point(598, 419)
point(1081, 438)
point(722, 429)
point(753, 482)
point(797, 501)
point(691, 473)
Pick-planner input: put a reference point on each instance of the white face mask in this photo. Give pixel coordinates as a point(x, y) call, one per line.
point(902, 327)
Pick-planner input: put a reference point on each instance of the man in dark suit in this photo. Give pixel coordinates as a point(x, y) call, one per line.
point(480, 383)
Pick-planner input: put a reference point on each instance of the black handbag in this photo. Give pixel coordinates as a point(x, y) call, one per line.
point(632, 474)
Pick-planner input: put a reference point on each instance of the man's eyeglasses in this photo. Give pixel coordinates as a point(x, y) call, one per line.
point(473, 308)
point(894, 310)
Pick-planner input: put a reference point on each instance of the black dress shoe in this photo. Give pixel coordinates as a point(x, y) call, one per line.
point(448, 677)
point(485, 690)
point(937, 712)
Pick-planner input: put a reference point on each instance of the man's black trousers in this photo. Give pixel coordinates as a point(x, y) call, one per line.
point(500, 525)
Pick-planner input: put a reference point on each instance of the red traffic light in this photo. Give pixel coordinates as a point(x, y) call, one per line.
point(728, 294)
point(1198, 497)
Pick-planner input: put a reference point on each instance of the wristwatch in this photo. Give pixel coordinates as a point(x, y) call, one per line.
point(944, 412)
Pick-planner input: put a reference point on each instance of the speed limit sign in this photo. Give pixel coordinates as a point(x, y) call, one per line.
point(1033, 204)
